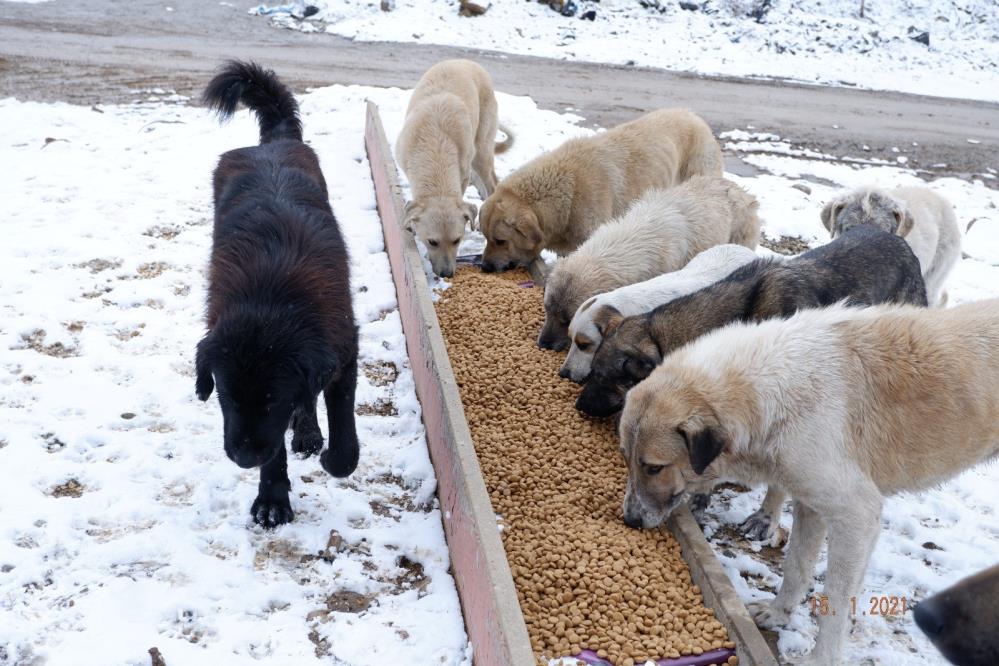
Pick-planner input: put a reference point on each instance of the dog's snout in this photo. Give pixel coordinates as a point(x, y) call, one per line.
point(446, 272)
point(564, 373)
point(633, 521)
point(929, 617)
point(488, 267)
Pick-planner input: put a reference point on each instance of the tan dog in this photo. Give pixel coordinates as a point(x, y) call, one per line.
point(449, 136)
point(557, 200)
point(840, 407)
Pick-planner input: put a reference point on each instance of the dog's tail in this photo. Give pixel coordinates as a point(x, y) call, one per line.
point(502, 147)
point(262, 92)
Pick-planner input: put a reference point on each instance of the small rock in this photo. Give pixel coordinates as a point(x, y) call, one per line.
point(469, 9)
point(802, 187)
point(128, 416)
point(917, 35)
point(690, 6)
point(388, 5)
point(310, 10)
point(569, 8)
point(589, 15)
point(929, 545)
point(156, 657)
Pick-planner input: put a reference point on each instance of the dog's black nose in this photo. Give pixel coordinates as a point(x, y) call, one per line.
point(488, 267)
point(510, 266)
point(546, 343)
point(929, 617)
point(563, 373)
point(447, 272)
point(634, 522)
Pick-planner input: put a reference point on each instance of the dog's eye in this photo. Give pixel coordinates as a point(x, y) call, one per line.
point(583, 346)
point(456, 241)
point(652, 470)
point(432, 243)
point(499, 243)
point(636, 368)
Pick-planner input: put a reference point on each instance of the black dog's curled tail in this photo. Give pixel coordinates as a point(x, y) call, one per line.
point(262, 92)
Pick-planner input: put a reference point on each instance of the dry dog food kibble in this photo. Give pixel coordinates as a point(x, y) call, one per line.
point(585, 580)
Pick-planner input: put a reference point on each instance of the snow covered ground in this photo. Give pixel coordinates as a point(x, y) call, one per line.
point(123, 526)
point(811, 41)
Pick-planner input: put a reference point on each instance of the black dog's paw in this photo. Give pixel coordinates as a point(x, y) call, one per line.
point(270, 512)
point(341, 461)
point(307, 443)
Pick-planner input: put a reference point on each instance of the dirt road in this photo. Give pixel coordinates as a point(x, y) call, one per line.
point(104, 50)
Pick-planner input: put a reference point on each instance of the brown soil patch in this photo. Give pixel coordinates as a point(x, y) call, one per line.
point(36, 341)
point(584, 579)
point(71, 488)
point(786, 245)
point(379, 408)
point(382, 373)
point(346, 601)
point(98, 265)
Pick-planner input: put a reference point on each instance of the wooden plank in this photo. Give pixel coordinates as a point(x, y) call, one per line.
point(489, 604)
point(718, 592)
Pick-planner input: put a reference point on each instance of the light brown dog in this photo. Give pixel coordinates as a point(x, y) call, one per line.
point(840, 407)
point(557, 200)
point(448, 137)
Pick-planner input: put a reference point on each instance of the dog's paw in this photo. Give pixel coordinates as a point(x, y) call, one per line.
point(270, 512)
point(307, 443)
point(342, 460)
point(767, 616)
point(759, 526)
point(698, 505)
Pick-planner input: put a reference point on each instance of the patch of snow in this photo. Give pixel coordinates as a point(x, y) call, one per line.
point(810, 41)
point(123, 525)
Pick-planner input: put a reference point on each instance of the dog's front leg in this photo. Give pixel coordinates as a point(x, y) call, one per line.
point(340, 458)
point(306, 436)
point(763, 522)
point(853, 531)
point(799, 567)
point(272, 506)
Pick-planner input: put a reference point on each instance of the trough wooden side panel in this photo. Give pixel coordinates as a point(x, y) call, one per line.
point(492, 614)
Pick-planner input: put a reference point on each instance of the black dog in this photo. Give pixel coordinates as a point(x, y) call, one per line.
point(280, 322)
point(865, 266)
point(963, 620)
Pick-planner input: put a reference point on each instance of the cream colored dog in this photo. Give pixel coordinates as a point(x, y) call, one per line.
point(660, 233)
point(586, 332)
point(448, 137)
point(918, 214)
point(840, 407)
point(557, 200)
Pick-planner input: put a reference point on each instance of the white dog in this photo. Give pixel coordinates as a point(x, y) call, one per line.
point(706, 268)
point(840, 407)
point(921, 216)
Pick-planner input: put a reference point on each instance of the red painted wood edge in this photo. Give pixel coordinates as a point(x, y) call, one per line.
point(493, 618)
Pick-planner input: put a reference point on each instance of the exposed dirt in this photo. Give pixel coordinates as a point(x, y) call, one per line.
point(786, 245)
point(71, 488)
point(106, 51)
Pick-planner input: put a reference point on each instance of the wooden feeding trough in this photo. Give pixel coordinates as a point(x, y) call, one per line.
point(492, 613)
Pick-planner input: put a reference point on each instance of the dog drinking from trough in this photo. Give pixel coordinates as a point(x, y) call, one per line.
point(280, 320)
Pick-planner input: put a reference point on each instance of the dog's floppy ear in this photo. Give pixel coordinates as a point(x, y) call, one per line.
point(528, 227)
point(411, 216)
point(204, 383)
point(904, 219)
point(471, 210)
point(607, 319)
point(704, 443)
point(829, 213)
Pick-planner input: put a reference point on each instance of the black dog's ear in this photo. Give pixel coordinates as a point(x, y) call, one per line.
point(704, 444)
point(205, 383)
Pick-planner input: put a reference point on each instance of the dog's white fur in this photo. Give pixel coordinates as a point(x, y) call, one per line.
point(706, 268)
point(448, 137)
point(838, 406)
point(662, 231)
point(925, 219)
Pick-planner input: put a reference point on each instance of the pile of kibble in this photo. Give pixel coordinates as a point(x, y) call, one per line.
point(556, 479)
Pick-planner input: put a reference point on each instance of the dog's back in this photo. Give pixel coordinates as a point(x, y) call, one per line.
point(274, 229)
point(864, 266)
